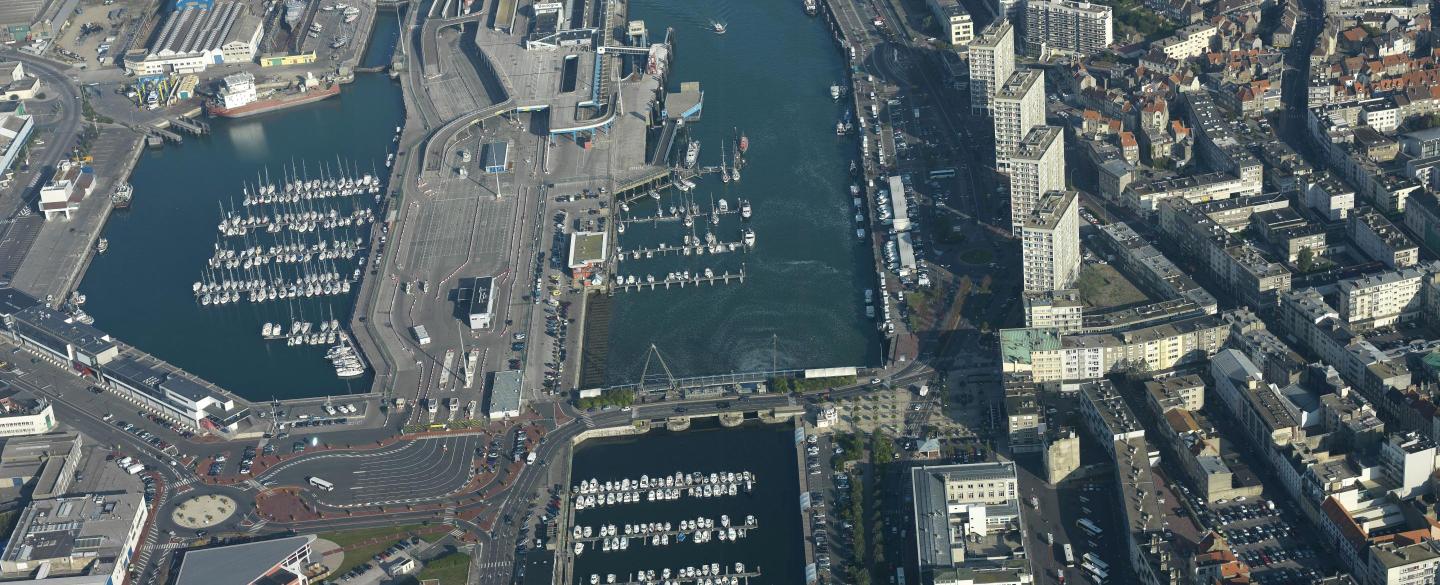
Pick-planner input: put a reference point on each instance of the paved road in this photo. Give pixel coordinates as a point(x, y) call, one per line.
point(57, 120)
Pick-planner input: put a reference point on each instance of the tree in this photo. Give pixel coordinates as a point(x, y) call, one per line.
point(1306, 260)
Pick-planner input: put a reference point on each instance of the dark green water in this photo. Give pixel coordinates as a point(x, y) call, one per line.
point(770, 76)
point(768, 451)
point(140, 290)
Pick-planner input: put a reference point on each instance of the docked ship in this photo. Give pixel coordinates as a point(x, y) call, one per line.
point(812, 7)
point(239, 98)
point(122, 196)
point(692, 154)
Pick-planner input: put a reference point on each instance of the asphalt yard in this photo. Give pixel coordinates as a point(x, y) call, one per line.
point(416, 471)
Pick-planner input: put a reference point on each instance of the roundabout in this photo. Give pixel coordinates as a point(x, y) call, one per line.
point(203, 511)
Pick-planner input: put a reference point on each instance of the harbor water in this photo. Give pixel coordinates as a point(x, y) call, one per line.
point(802, 302)
point(773, 547)
point(140, 290)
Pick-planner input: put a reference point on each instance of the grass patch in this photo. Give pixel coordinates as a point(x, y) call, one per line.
point(977, 256)
point(451, 569)
point(388, 535)
point(1101, 286)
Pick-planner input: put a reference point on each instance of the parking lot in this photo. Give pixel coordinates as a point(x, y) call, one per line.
point(91, 38)
point(408, 472)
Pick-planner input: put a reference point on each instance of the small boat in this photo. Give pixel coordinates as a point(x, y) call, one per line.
point(102, 245)
point(718, 27)
point(744, 143)
point(692, 154)
point(745, 209)
point(835, 91)
point(749, 238)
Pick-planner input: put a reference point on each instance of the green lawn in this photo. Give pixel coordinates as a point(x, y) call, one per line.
point(451, 569)
point(354, 557)
point(1102, 286)
point(977, 256)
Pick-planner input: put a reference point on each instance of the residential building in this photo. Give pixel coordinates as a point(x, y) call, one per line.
point(1382, 241)
point(954, 20)
point(1047, 356)
point(1061, 310)
point(1050, 242)
point(1037, 168)
point(1191, 41)
point(1383, 299)
point(1067, 27)
point(992, 60)
point(1329, 196)
point(1018, 107)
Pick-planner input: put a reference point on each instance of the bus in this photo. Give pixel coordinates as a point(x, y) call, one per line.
point(1096, 573)
point(1089, 527)
point(1069, 555)
point(1094, 559)
point(321, 484)
point(942, 174)
point(899, 575)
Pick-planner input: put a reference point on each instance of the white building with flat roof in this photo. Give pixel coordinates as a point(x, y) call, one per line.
point(1050, 242)
point(506, 389)
point(1018, 107)
point(1037, 167)
point(992, 59)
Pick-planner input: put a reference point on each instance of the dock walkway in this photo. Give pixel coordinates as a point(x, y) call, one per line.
point(681, 282)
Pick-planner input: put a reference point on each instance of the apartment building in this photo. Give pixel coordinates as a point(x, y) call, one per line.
point(1050, 242)
point(992, 60)
point(1036, 168)
point(1067, 27)
point(1018, 107)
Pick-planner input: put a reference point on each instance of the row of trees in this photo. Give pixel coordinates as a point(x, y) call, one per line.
point(608, 398)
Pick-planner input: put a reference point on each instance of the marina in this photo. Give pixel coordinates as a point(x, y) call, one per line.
point(795, 179)
point(662, 527)
point(170, 236)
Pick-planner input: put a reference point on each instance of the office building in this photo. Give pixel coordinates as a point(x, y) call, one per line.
point(1051, 242)
point(16, 124)
point(81, 540)
point(281, 561)
point(477, 298)
point(24, 414)
point(992, 60)
point(505, 389)
point(46, 464)
point(962, 513)
point(1067, 27)
point(1036, 168)
point(1018, 107)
